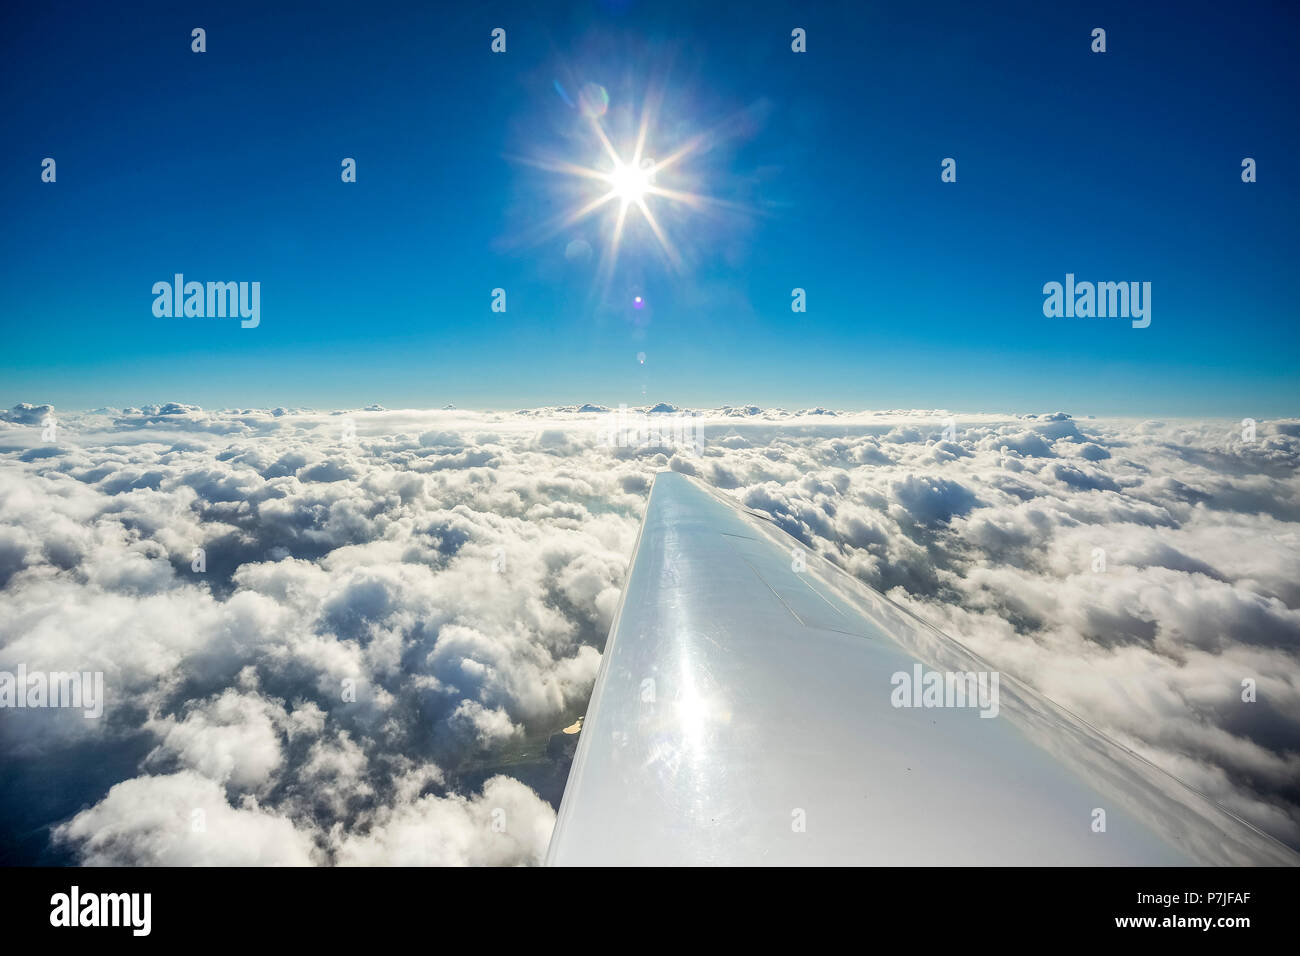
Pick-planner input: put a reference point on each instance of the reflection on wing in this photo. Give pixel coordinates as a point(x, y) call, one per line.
point(745, 713)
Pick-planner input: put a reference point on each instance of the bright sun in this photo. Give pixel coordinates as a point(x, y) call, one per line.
point(629, 187)
point(629, 182)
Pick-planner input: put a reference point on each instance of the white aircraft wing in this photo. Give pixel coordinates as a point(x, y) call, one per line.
point(747, 712)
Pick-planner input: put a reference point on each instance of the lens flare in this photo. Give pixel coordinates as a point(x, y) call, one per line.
point(593, 100)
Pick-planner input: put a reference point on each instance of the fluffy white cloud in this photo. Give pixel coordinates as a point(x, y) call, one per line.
point(183, 820)
point(349, 637)
point(506, 825)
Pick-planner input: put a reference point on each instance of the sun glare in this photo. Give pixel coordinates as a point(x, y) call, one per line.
point(630, 182)
point(627, 189)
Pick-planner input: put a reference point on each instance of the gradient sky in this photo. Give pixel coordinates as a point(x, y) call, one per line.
point(225, 166)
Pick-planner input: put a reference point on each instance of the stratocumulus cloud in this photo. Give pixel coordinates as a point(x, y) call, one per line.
point(355, 638)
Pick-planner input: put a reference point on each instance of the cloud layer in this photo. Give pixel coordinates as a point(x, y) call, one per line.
point(356, 638)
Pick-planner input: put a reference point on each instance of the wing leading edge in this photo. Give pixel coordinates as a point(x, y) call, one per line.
point(747, 712)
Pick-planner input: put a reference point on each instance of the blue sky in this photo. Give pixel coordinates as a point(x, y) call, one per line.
point(824, 168)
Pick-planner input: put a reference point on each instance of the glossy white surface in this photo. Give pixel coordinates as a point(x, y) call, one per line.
point(737, 697)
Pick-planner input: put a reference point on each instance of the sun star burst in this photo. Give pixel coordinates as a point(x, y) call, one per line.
point(625, 185)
